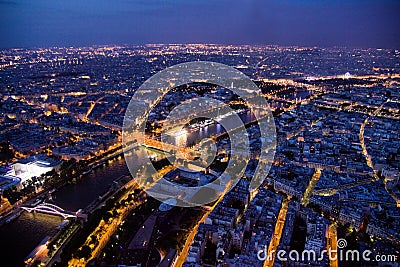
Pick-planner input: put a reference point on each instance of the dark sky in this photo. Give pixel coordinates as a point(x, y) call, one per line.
point(352, 23)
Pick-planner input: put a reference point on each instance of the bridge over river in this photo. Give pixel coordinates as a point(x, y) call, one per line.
point(52, 209)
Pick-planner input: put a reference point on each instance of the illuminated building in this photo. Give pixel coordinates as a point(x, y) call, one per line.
point(30, 167)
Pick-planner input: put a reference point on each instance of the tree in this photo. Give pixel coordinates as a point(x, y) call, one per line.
point(12, 194)
point(84, 252)
point(108, 215)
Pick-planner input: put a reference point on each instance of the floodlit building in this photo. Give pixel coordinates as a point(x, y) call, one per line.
point(33, 166)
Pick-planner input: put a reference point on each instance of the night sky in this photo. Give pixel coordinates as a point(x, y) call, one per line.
point(351, 23)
